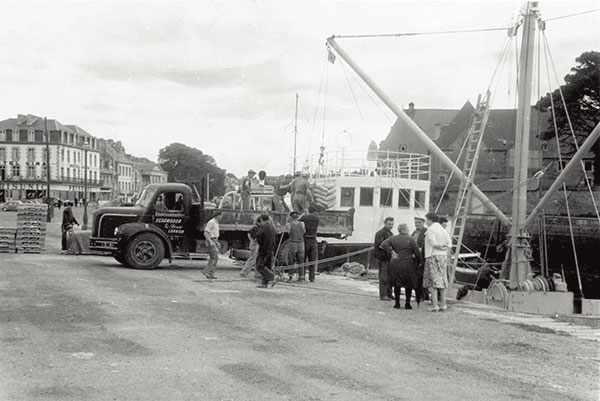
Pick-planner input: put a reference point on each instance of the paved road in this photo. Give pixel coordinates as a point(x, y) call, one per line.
point(84, 328)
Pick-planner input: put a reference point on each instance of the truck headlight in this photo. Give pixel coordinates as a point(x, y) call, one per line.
point(116, 232)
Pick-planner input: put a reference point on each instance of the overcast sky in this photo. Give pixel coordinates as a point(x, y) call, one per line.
point(222, 76)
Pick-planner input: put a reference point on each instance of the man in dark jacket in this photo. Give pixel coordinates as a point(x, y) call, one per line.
point(419, 236)
point(383, 259)
point(67, 224)
point(311, 247)
point(266, 249)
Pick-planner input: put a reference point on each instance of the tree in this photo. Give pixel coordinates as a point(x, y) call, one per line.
point(582, 97)
point(190, 165)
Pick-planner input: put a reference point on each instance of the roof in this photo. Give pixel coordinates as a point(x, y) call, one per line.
point(30, 121)
point(458, 125)
point(427, 119)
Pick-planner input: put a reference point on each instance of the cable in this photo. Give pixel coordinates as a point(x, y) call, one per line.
point(572, 15)
point(395, 35)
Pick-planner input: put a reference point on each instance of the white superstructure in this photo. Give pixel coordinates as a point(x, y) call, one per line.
point(376, 184)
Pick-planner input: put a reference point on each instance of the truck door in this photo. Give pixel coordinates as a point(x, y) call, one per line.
point(170, 213)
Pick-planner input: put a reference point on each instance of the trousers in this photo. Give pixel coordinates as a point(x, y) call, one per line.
point(311, 251)
point(385, 289)
point(263, 266)
point(211, 266)
point(296, 255)
point(251, 262)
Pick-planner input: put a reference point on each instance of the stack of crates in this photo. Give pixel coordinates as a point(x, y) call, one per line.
point(7, 239)
point(31, 228)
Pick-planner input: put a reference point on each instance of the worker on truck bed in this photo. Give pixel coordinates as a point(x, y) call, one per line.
point(245, 188)
point(300, 193)
point(282, 187)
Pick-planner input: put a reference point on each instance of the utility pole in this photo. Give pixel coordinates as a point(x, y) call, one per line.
point(50, 214)
point(295, 131)
point(86, 144)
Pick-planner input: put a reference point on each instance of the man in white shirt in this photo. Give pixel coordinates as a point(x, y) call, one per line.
point(435, 276)
point(211, 233)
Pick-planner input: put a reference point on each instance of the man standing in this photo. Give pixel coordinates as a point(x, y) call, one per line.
point(300, 193)
point(296, 246)
point(266, 248)
point(419, 236)
point(245, 189)
point(211, 233)
point(67, 223)
point(251, 262)
point(311, 247)
point(383, 259)
point(282, 187)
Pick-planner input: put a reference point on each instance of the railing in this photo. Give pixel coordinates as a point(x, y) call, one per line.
point(25, 178)
point(369, 164)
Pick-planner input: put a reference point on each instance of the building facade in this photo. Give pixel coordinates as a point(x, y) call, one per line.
point(30, 160)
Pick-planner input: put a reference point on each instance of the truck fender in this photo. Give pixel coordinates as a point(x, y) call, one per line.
point(129, 230)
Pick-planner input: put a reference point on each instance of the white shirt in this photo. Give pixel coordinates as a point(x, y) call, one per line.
point(436, 235)
point(212, 229)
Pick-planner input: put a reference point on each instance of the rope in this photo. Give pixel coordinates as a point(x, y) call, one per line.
point(330, 259)
point(564, 104)
point(564, 184)
point(397, 35)
point(572, 15)
point(355, 100)
point(314, 122)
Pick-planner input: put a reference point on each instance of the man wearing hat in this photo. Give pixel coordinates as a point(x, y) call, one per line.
point(300, 192)
point(245, 188)
point(419, 236)
point(296, 230)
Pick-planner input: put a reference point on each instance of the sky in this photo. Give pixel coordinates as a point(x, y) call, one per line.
point(222, 77)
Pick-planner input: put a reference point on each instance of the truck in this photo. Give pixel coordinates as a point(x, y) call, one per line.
point(168, 220)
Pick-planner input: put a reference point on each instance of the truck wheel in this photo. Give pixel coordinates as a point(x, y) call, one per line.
point(119, 257)
point(144, 251)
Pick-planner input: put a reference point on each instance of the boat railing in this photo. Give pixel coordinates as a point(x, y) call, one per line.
point(369, 164)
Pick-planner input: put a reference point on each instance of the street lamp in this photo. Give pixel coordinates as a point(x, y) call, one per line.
point(86, 145)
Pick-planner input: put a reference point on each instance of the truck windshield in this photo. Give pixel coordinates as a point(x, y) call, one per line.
point(146, 197)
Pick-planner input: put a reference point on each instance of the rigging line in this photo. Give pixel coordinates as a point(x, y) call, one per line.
point(367, 92)
point(314, 122)
point(505, 47)
point(587, 181)
point(564, 185)
point(356, 101)
point(572, 15)
point(401, 34)
point(452, 172)
point(325, 104)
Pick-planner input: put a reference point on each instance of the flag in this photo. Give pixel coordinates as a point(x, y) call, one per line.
point(330, 56)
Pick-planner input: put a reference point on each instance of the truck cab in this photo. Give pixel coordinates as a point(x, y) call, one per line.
point(165, 222)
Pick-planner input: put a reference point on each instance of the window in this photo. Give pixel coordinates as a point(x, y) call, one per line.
point(347, 197)
point(16, 170)
point(30, 154)
point(442, 178)
point(68, 156)
point(403, 148)
point(366, 197)
point(68, 173)
point(544, 147)
point(30, 171)
point(3, 154)
point(589, 165)
point(385, 197)
point(2, 136)
point(420, 199)
point(31, 136)
point(403, 198)
point(15, 136)
point(62, 173)
point(15, 154)
point(62, 155)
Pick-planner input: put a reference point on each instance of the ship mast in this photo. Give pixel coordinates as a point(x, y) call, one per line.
point(517, 258)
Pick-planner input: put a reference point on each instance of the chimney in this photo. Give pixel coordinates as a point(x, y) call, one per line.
point(411, 110)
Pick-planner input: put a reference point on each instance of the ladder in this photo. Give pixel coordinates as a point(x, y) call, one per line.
point(472, 147)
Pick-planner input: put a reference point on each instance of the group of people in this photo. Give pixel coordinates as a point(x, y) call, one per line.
point(302, 247)
point(297, 186)
point(417, 261)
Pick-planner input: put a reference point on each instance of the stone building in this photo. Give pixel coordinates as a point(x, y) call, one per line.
point(26, 154)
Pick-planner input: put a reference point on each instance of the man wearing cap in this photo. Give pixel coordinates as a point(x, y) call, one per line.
point(296, 230)
point(266, 250)
point(383, 259)
point(282, 187)
point(419, 236)
point(245, 188)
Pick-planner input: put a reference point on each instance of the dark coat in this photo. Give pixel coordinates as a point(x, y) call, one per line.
point(68, 218)
point(402, 270)
point(381, 236)
point(266, 239)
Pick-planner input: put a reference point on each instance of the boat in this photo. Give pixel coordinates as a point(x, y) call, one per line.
point(517, 288)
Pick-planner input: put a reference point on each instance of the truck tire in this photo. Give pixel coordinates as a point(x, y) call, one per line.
point(119, 257)
point(144, 251)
